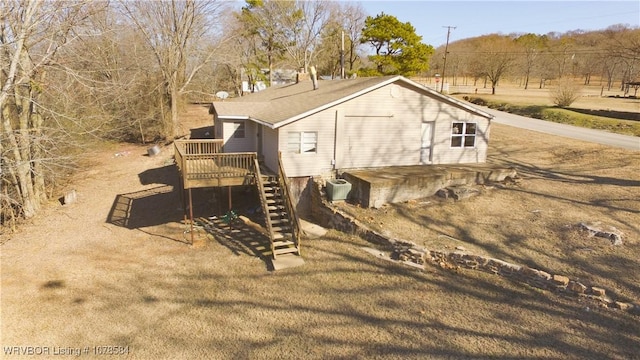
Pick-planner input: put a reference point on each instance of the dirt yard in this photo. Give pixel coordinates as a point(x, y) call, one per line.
point(115, 270)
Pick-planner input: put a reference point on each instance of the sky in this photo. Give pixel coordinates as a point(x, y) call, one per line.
point(479, 17)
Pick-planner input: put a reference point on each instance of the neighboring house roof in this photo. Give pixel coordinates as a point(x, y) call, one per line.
point(280, 105)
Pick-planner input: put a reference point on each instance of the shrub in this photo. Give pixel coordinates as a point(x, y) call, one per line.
point(565, 94)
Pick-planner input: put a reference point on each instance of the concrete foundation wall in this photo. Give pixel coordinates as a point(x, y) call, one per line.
point(300, 188)
point(375, 188)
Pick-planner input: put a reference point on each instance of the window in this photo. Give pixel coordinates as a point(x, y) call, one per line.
point(238, 129)
point(302, 142)
point(463, 134)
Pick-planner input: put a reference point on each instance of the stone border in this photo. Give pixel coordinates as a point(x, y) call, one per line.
point(409, 253)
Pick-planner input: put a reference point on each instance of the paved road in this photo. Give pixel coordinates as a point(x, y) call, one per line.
point(574, 132)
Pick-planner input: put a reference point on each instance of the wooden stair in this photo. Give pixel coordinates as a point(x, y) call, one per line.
point(280, 219)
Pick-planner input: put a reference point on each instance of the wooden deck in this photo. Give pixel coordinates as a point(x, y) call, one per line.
point(202, 163)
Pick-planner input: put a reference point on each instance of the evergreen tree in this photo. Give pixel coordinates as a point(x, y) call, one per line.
point(398, 48)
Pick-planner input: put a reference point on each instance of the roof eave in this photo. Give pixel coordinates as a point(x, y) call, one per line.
point(246, 117)
point(450, 99)
point(377, 86)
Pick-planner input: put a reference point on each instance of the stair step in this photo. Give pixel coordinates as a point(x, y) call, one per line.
point(281, 229)
point(285, 250)
point(283, 243)
point(279, 235)
point(279, 221)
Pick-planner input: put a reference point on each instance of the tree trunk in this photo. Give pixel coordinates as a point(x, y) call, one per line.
point(175, 121)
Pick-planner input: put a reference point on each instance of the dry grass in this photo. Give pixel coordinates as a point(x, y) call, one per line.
point(79, 276)
point(535, 222)
point(591, 97)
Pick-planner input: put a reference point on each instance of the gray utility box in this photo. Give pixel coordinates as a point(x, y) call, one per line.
point(338, 189)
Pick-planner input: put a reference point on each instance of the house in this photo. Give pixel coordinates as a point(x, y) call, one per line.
point(280, 77)
point(352, 124)
point(280, 138)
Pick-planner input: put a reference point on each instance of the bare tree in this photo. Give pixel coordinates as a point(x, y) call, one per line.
point(32, 33)
point(532, 45)
point(273, 26)
point(341, 34)
point(315, 17)
point(624, 44)
point(109, 79)
point(175, 31)
point(494, 55)
point(353, 20)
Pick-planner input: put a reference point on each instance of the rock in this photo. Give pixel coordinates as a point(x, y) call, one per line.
point(544, 275)
point(597, 291)
point(577, 287)
point(443, 193)
point(595, 229)
point(70, 197)
point(463, 192)
point(527, 271)
point(622, 305)
point(560, 280)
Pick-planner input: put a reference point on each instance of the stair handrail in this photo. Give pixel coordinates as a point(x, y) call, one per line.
point(284, 185)
point(265, 207)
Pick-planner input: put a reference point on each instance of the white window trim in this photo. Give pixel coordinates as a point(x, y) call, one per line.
point(463, 135)
point(300, 142)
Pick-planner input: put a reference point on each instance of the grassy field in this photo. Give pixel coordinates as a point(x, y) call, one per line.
point(611, 111)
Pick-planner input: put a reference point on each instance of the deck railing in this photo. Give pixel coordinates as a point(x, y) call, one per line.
point(202, 160)
point(296, 229)
point(200, 146)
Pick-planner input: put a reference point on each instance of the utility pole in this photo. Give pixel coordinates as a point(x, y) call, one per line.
point(446, 50)
point(342, 57)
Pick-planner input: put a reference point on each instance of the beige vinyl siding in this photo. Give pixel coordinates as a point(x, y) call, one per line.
point(381, 128)
point(270, 148)
point(246, 144)
point(378, 141)
point(443, 153)
point(217, 127)
point(310, 164)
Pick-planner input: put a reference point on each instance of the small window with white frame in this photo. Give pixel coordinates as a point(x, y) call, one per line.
point(463, 135)
point(302, 142)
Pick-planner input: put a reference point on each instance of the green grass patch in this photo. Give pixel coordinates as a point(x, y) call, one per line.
point(618, 126)
point(564, 116)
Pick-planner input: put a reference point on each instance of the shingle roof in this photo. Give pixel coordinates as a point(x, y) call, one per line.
point(280, 105)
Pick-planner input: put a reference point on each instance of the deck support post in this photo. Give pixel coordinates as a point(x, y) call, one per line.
point(183, 201)
point(229, 191)
point(191, 214)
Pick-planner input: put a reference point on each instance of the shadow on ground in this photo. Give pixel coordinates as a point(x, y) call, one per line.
point(163, 204)
point(624, 115)
point(239, 237)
